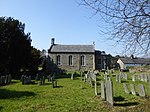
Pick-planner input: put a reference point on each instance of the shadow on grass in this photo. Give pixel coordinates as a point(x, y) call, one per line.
point(126, 104)
point(1, 107)
point(7, 94)
point(119, 99)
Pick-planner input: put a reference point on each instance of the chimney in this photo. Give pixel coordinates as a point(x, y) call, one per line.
point(52, 41)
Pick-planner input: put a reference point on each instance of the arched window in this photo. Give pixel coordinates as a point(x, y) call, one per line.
point(70, 60)
point(82, 60)
point(58, 60)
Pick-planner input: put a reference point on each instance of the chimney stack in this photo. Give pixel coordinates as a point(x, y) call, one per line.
point(52, 41)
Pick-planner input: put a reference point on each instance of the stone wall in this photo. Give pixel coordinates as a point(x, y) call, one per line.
point(64, 58)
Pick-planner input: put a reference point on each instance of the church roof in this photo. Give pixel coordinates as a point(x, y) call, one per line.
point(72, 48)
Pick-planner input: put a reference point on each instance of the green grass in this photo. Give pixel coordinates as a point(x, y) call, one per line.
point(68, 97)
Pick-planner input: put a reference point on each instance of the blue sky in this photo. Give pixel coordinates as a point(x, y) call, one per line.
point(65, 21)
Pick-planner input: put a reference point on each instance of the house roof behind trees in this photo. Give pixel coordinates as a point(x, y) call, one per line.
point(129, 60)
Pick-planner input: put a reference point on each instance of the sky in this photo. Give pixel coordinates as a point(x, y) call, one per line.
point(66, 21)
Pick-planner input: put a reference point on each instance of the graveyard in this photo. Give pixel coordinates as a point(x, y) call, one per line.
point(78, 92)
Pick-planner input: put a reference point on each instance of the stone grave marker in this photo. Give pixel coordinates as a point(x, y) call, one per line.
point(126, 76)
point(133, 78)
point(148, 78)
point(141, 90)
point(142, 77)
point(9, 78)
point(72, 76)
point(95, 88)
point(103, 93)
point(125, 88)
point(132, 89)
point(109, 92)
point(117, 77)
point(145, 78)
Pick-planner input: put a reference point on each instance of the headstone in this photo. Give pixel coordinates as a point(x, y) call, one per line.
point(81, 73)
point(72, 77)
point(126, 76)
point(145, 78)
point(89, 80)
point(43, 80)
point(22, 79)
point(9, 78)
point(40, 81)
point(29, 79)
point(53, 86)
point(133, 78)
point(149, 84)
point(109, 92)
point(49, 78)
point(125, 88)
point(141, 90)
point(148, 78)
point(95, 88)
point(56, 83)
point(117, 77)
point(132, 89)
point(106, 78)
point(142, 77)
point(103, 94)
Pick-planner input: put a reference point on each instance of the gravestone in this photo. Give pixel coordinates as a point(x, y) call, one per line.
point(148, 78)
point(133, 78)
point(141, 90)
point(125, 88)
point(117, 77)
point(109, 92)
point(49, 78)
point(22, 79)
point(126, 76)
point(29, 79)
point(142, 77)
point(53, 86)
point(132, 89)
point(81, 73)
point(106, 78)
point(145, 78)
point(56, 83)
point(89, 80)
point(103, 93)
point(95, 88)
point(9, 78)
point(43, 80)
point(72, 77)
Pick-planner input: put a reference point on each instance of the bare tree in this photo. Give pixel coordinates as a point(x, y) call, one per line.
point(130, 21)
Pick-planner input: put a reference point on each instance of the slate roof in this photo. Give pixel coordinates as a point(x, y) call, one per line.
point(128, 60)
point(57, 48)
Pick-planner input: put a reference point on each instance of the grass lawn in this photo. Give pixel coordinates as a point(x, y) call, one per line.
point(68, 97)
